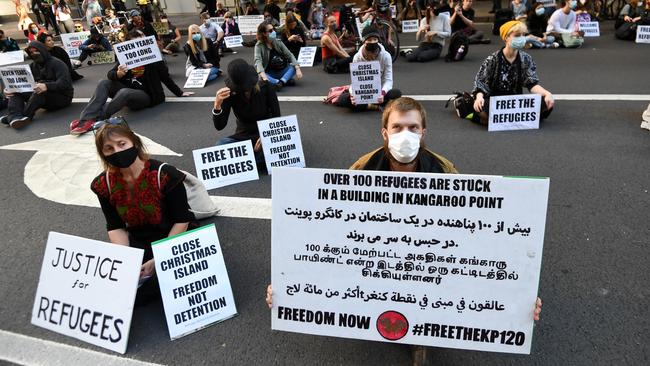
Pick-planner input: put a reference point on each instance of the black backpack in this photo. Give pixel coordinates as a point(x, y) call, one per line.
point(458, 47)
point(501, 16)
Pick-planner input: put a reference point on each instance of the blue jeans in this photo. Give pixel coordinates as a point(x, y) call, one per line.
point(283, 75)
point(259, 155)
point(214, 72)
point(537, 44)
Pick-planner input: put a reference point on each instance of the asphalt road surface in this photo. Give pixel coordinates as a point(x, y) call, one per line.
point(594, 278)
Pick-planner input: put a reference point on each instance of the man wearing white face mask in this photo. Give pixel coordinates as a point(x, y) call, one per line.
point(404, 124)
point(562, 22)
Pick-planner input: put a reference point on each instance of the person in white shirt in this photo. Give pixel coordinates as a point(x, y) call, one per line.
point(434, 30)
point(61, 11)
point(211, 30)
point(561, 25)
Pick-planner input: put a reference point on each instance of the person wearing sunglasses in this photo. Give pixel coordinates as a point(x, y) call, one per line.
point(201, 54)
point(141, 201)
point(230, 28)
point(273, 60)
point(137, 88)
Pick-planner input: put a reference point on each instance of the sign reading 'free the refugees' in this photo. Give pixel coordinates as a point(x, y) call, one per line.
point(224, 165)
point(444, 260)
point(514, 112)
point(138, 52)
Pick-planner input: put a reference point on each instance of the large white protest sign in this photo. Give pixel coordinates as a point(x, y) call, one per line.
point(591, 29)
point(87, 290)
point(431, 259)
point(193, 281)
point(72, 41)
point(138, 52)
point(514, 112)
point(281, 142)
point(306, 56)
point(248, 23)
point(643, 34)
point(197, 78)
point(104, 57)
point(365, 82)
point(409, 26)
point(11, 57)
point(234, 41)
point(17, 79)
point(224, 165)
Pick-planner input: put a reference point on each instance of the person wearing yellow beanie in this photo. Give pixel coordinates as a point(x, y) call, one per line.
point(507, 72)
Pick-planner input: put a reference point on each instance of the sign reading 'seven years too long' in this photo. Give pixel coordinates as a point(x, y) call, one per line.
point(432, 259)
point(138, 52)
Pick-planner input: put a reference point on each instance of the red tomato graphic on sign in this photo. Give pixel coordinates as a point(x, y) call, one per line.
point(392, 325)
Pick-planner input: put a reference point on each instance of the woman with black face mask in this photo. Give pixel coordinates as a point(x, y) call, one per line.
point(142, 201)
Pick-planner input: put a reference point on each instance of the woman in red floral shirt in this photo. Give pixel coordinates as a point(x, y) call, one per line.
point(137, 210)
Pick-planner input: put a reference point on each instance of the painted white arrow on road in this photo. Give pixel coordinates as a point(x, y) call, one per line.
point(63, 167)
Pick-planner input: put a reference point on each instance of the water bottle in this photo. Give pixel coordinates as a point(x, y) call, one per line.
point(459, 53)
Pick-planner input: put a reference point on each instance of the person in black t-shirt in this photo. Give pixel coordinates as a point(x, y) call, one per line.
point(462, 19)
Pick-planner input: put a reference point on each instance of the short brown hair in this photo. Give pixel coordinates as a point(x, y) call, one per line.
point(106, 131)
point(403, 105)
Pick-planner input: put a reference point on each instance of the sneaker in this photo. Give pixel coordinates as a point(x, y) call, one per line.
point(555, 45)
point(74, 124)
point(83, 127)
point(5, 120)
point(20, 122)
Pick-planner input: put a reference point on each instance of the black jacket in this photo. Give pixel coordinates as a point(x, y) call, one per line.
point(211, 55)
point(53, 73)
point(233, 31)
point(154, 74)
point(60, 53)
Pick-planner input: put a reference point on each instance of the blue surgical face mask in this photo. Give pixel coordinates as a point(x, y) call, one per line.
point(540, 11)
point(272, 35)
point(573, 4)
point(518, 43)
point(196, 37)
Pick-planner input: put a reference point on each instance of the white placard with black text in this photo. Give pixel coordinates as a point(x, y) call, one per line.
point(248, 23)
point(17, 79)
point(224, 165)
point(11, 57)
point(365, 83)
point(443, 260)
point(87, 290)
point(234, 41)
point(72, 41)
point(591, 29)
point(643, 34)
point(306, 56)
point(514, 112)
point(197, 78)
point(193, 281)
point(410, 26)
point(281, 142)
point(138, 52)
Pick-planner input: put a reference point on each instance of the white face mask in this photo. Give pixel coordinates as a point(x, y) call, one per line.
point(404, 146)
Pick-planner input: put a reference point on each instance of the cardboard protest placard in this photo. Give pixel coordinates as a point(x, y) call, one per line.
point(138, 52)
point(514, 112)
point(248, 23)
point(72, 41)
point(104, 57)
point(224, 165)
point(643, 34)
point(193, 281)
point(281, 142)
point(161, 28)
point(365, 82)
point(197, 78)
point(87, 290)
point(18, 79)
point(11, 57)
point(591, 29)
point(410, 26)
point(306, 56)
point(443, 260)
point(234, 41)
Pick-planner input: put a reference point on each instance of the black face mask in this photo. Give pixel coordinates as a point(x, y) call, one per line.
point(372, 47)
point(38, 59)
point(124, 158)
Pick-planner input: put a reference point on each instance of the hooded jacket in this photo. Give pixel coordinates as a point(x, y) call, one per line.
point(154, 74)
point(53, 72)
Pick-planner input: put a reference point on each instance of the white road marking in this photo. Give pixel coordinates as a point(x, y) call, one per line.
point(421, 97)
point(24, 350)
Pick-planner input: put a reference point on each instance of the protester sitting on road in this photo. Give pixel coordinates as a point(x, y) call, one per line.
point(201, 54)
point(518, 10)
point(142, 202)
point(60, 53)
point(53, 89)
point(95, 43)
point(7, 44)
point(291, 35)
point(561, 25)
point(272, 8)
point(137, 88)
point(249, 100)
point(434, 30)
point(250, 9)
point(537, 20)
point(628, 20)
point(462, 19)
point(371, 50)
point(171, 40)
point(138, 22)
point(230, 28)
point(507, 72)
point(584, 12)
point(273, 61)
point(211, 30)
point(34, 30)
point(335, 58)
point(268, 17)
point(317, 16)
point(221, 10)
point(409, 12)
